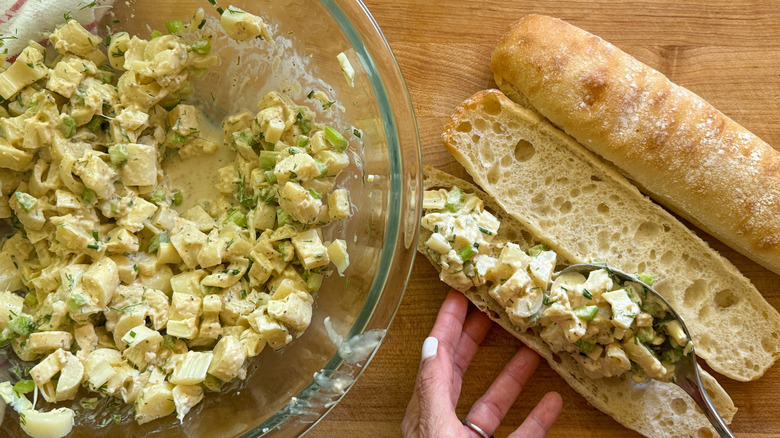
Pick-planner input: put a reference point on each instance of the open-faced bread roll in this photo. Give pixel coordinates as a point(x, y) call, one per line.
point(584, 210)
point(654, 408)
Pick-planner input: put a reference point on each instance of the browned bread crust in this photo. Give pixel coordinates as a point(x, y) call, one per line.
point(678, 148)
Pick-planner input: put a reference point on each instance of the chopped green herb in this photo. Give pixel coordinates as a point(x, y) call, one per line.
point(586, 293)
point(24, 386)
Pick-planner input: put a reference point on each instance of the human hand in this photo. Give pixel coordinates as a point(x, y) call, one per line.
point(446, 354)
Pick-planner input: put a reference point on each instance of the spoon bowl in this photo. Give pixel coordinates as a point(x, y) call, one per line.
point(686, 370)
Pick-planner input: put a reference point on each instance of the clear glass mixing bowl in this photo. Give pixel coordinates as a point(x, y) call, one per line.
point(281, 396)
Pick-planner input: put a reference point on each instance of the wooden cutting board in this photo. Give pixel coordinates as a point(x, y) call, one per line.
point(727, 51)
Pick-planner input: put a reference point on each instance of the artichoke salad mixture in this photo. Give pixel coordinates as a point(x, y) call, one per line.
point(609, 327)
point(111, 278)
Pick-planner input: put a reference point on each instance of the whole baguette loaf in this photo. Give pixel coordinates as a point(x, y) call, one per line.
point(678, 148)
point(648, 408)
point(576, 204)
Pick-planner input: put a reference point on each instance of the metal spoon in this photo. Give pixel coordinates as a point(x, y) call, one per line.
point(686, 370)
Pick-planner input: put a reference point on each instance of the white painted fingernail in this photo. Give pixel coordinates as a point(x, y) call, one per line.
point(430, 345)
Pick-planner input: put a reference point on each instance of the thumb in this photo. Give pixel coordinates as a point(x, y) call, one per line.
point(434, 377)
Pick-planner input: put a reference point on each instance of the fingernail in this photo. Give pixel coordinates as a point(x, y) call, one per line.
point(430, 345)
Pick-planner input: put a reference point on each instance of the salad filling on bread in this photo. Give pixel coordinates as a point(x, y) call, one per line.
point(609, 327)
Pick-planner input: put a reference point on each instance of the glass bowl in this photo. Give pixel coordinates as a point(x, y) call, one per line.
point(287, 392)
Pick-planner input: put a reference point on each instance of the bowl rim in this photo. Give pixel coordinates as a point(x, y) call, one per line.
point(394, 231)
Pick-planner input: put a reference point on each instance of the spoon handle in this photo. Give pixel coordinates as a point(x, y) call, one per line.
point(692, 384)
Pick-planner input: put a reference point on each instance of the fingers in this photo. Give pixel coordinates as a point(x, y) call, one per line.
point(541, 419)
point(491, 408)
point(475, 328)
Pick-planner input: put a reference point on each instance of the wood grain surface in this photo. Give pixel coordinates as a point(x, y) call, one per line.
point(727, 51)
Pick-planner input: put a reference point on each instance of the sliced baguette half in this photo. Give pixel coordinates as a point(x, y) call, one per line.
point(586, 211)
point(654, 409)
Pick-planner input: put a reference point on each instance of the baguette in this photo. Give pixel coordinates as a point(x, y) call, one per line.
point(654, 408)
point(585, 211)
point(678, 148)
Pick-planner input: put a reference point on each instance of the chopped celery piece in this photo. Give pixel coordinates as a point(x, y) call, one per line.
point(105, 75)
point(6, 336)
point(586, 313)
point(174, 26)
point(68, 126)
point(177, 198)
point(31, 299)
point(645, 334)
point(267, 159)
point(26, 201)
point(302, 141)
point(322, 168)
point(653, 308)
point(281, 217)
point(158, 195)
point(186, 88)
point(75, 302)
point(202, 46)
point(270, 177)
point(236, 216)
point(314, 194)
point(117, 153)
point(88, 196)
point(673, 355)
point(585, 345)
point(454, 199)
point(95, 123)
point(198, 72)
point(467, 253)
point(156, 34)
point(175, 138)
point(335, 139)
point(22, 325)
point(154, 244)
point(314, 282)
point(193, 368)
point(646, 278)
